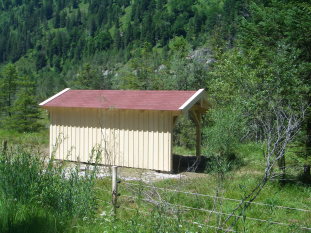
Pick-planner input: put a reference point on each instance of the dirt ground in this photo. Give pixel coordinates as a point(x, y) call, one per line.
point(183, 167)
point(147, 176)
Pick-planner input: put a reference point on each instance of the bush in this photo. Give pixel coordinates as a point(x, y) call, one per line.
point(184, 133)
point(222, 136)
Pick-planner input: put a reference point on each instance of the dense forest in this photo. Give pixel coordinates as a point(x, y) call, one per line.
point(252, 56)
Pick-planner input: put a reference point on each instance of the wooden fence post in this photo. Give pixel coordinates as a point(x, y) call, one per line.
point(114, 188)
point(4, 146)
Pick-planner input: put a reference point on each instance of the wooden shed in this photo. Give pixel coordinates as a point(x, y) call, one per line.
point(127, 128)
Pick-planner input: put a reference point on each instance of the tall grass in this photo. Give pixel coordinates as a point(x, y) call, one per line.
point(25, 218)
point(39, 192)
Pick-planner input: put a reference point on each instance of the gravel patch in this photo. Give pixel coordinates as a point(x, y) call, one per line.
point(129, 174)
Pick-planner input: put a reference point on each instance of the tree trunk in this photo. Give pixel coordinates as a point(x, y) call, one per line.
point(306, 170)
point(282, 166)
point(306, 167)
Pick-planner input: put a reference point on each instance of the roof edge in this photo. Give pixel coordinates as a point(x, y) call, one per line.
point(192, 100)
point(54, 96)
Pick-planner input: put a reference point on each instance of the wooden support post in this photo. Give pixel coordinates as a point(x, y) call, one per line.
point(114, 188)
point(197, 121)
point(198, 136)
point(174, 120)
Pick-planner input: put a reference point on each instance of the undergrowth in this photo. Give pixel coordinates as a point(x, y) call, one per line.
point(38, 194)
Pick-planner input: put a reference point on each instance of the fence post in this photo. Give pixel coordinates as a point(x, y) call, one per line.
point(114, 188)
point(4, 146)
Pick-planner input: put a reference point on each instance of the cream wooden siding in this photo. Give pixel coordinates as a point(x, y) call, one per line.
point(129, 138)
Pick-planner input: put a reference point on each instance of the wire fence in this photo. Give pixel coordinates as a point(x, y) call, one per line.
point(141, 186)
point(217, 197)
point(194, 223)
point(226, 214)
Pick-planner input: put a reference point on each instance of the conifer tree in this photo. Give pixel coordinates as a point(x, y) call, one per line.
point(88, 78)
point(25, 111)
point(8, 82)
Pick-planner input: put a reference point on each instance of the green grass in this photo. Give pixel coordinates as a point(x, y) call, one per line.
point(51, 203)
point(21, 218)
point(234, 187)
point(178, 150)
point(237, 183)
point(40, 138)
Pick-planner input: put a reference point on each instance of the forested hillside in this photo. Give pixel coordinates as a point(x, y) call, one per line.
point(48, 38)
point(252, 56)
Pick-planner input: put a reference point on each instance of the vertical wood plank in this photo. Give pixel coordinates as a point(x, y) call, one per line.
point(131, 138)
point(65, 120)
point(61, 133)
point(136, 139)
point(151, 142)
point(141, 138)
point(82, 138)
point(171, 127)
point(106, 126)
point(69, 143)
point(127, 139)
point(119, 132)
point(156, 140)
point(98, 132)
point(145, 139)
point(165, 141)
point(77, 135)
point(51, 141)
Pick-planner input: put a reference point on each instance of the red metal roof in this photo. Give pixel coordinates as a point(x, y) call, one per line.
point(120, 99)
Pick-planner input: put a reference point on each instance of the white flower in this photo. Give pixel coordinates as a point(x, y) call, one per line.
point(103, 213)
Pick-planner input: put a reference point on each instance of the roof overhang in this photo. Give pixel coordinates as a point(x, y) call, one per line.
point(197, 101)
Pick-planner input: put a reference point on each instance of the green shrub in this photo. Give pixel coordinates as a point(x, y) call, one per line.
point(222, 137)
point(184, 133)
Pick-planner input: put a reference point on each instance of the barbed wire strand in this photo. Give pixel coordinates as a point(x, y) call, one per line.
point(224, 198)
point(103, 189)
point(194, 223)
point(221, 213)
